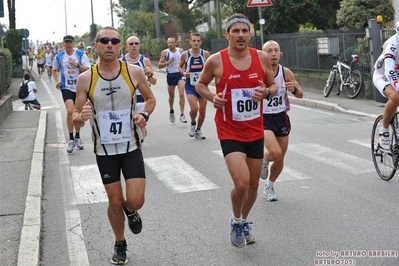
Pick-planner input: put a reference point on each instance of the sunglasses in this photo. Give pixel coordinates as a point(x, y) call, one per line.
point(134, 43)
point(106, 40)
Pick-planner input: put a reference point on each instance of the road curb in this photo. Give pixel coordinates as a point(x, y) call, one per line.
point(29, 249)
point(327, 106)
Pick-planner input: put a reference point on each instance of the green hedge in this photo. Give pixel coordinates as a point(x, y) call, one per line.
point(8, 65)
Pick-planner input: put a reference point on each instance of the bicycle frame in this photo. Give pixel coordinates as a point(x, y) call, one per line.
point(347, 71)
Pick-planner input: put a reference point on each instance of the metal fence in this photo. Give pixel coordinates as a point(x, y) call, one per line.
point(309, 51)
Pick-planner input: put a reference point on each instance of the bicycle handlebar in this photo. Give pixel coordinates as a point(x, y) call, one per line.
point(355, 58)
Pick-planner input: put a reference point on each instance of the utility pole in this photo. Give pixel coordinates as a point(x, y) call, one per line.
point(112, 13)
point(92, 14)
point(157, 26)
point(66, 22)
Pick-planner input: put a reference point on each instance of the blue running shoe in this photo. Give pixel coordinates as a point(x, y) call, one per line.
point(237, 237)
point(249, 237)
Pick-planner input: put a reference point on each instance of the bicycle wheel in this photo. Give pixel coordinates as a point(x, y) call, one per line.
point(354, 84)
point(385, 162)
point(330, 82)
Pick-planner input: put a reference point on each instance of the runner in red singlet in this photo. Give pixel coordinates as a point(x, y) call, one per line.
point(243, 78)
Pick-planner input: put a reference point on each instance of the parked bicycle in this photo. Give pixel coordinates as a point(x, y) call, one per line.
point(386, 162)
point(351, 78)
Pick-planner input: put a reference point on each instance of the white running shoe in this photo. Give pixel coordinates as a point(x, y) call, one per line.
point(191, 130)
point(71, 145)
point(384, 140)
point(172, 117)
point(79, 144)
point(199, 134)
point(265, 170)
point(183, 118)
point(269, 193)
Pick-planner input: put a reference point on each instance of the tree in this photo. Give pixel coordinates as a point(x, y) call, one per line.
point(284, 16)
point(11, 13)
point(186, 18)
point(354, 14)
point(324, 17)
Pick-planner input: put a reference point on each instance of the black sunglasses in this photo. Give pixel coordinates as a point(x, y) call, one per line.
point(105, 40)
point(134, 43)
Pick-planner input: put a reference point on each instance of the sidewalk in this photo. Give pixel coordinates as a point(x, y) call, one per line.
point(22, 142)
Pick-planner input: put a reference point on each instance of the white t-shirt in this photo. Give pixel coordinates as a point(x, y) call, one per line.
point(31, 87)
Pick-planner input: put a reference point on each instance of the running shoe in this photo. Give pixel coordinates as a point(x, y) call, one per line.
point(79, 144)
point(191, 130)
point(183, 118)
point(119, 255)
point(237, 237)
point(269, 193)
point(71, 144)
point(265, 170)
point(135, 223)
point(384, 140)
point(172, 116)
point(249, 237)
point(199, 134)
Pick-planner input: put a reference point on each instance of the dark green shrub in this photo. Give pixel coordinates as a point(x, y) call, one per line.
point(13, 42)
point(8, 65)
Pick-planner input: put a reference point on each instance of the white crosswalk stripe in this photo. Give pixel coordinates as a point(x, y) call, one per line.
point(87, 184)
point(287, 174)
point(328, 156)
point(178, 175)
point(362, 142)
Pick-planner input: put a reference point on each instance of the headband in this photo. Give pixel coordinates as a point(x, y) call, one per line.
point(237, 20)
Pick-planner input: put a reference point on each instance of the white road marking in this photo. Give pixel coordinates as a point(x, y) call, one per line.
point(73, 224)
point(177, 175)
point(287, 174)
point(342, 160)
point(87, 184)
point(365, 142)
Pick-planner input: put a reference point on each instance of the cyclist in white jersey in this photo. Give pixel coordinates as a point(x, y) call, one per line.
point(276, 121)
point(170, 59)
point(386, 80)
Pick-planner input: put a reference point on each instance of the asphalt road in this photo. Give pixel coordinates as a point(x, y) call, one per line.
point(332, 206)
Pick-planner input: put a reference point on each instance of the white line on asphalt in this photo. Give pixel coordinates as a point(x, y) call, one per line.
point(342, 160)
point(73, 224)
point(364, 142)
point(287, 174)
point(177, 175)
point(87, 184)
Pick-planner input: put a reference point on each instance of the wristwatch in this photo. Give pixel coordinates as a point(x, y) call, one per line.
point(78, 65)
point(269, 95)
point(145, 115)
